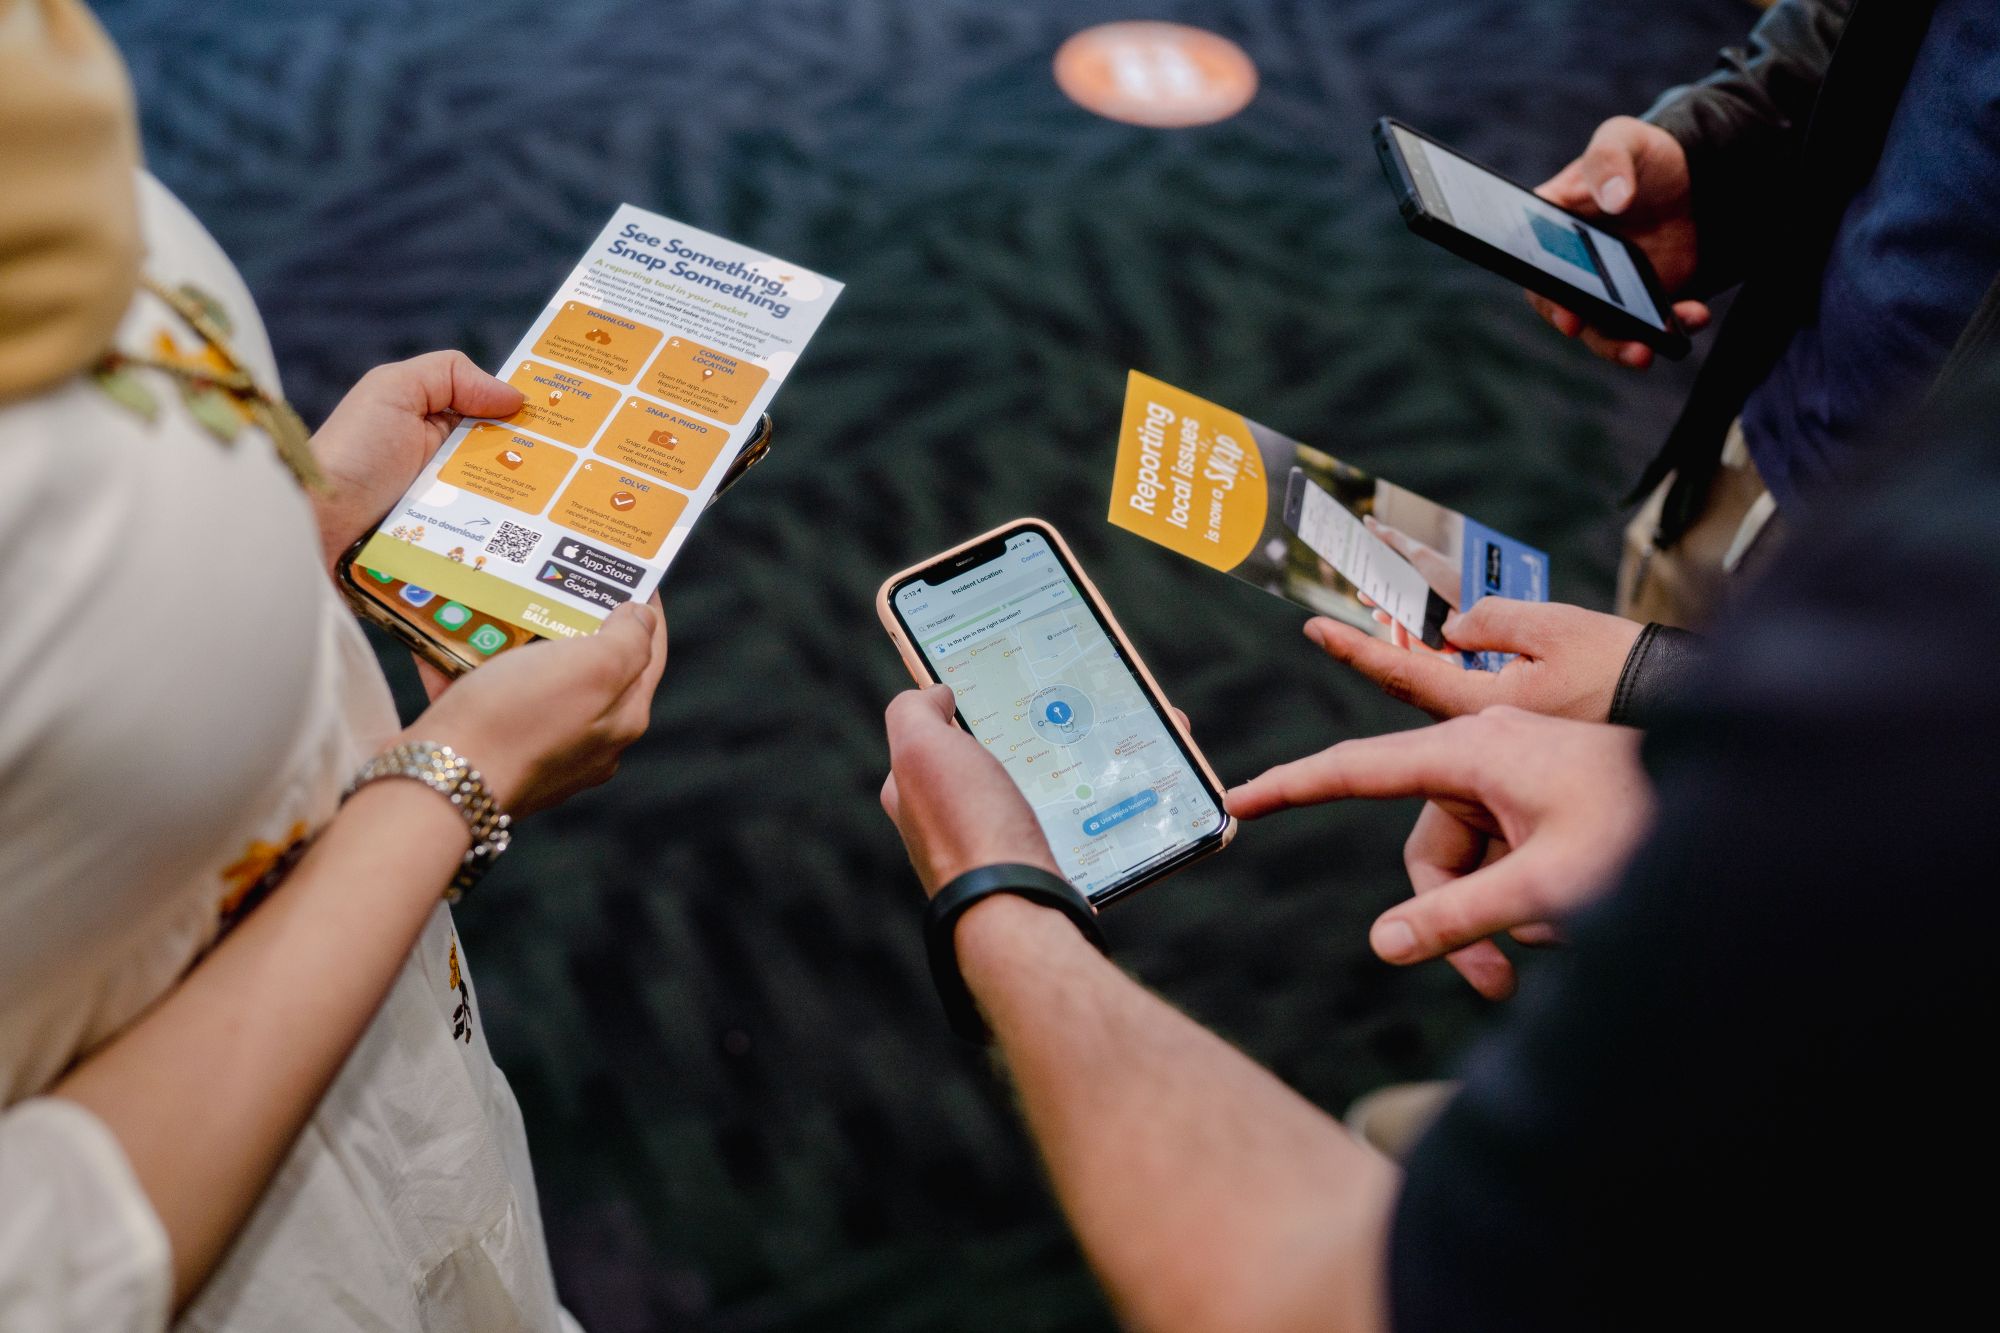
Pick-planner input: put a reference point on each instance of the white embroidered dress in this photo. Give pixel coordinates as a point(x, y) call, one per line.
point(181, 689)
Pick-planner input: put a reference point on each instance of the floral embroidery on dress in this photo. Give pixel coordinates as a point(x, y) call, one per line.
point(219, 393)
point(250, 878)
point(461, 1017)
point(219, 412)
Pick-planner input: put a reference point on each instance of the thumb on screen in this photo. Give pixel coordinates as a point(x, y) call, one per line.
point(1608, 169)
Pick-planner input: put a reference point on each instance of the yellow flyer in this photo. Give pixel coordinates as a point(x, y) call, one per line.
point(1237, 496)
point(647, 371)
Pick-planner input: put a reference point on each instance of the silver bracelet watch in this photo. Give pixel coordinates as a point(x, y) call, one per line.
point(445, 771)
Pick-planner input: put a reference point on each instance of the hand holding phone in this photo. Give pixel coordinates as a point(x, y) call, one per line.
point(950, 799)
point(1047, 683)
point(385, 429)
point(1555, 252)
point(1634, 176)
point(548, 722)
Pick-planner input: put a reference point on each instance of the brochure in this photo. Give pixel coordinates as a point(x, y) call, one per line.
point(644, 376)
point(1237, 496)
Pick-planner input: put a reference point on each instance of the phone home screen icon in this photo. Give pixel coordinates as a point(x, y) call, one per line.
point(488, 639)
point(452, 615)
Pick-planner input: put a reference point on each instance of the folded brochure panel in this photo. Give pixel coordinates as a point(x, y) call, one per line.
point(1305, 525)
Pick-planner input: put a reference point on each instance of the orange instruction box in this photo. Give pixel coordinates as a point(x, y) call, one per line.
point(713, 383)
point(613, 506)
point(663, 442)
point(597, 341)
point(566, 408)
point(501, 465)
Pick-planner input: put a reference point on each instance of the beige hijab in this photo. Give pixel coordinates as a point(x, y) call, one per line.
point(69, 213)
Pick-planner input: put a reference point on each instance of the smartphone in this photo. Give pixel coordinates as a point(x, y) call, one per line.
point(1500, 224)
point(452, 636)
point(1050, 685)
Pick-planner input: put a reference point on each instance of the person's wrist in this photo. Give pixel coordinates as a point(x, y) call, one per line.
point(504, 778)
point(333, 510)
point(1000, 917)
point(438, 766)
point(1607, 666)
point(427, 806)
point(944, 869)
point(332, 540)
point(996, 932)
point(950, 942)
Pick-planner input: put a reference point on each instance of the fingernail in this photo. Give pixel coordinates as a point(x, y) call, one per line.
point(643, 614)
point(1450, 623)
point(1393, 941)
point(1633, 356)
point(1614, 194)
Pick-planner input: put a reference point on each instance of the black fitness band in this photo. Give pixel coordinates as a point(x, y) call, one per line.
point(955, 899)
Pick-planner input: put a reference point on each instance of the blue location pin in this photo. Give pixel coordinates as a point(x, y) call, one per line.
point(1057, 712)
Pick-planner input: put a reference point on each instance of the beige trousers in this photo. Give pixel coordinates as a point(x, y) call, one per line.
point(1691, 582)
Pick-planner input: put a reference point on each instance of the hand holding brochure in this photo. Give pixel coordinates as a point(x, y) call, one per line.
point(644, 376)
point(1240, 497)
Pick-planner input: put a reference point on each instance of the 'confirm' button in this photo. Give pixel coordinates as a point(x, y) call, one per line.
point(1115, 815)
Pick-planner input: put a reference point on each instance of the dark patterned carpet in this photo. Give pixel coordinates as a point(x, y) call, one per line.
point(705, 980)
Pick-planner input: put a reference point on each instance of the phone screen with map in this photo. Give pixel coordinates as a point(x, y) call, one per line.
point(1046, 685)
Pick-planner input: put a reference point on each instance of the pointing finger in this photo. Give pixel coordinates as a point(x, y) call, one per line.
point(1437, 761)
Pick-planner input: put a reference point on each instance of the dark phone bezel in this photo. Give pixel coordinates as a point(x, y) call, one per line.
point(1671, 342)
point(986, 552)
point(439, 652)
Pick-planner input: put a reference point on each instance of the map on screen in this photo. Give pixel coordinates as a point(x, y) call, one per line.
point(1042, 685)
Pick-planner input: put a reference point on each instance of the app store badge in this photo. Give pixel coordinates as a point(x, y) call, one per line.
point(599, 563)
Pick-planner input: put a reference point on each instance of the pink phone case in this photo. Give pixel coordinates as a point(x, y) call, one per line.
point(915, 664)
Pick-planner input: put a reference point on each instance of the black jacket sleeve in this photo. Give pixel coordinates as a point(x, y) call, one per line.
point(1743, 1098)
point(1742, 128)
point(1657, 672)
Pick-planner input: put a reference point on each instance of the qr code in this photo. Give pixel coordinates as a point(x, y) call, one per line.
point(514, 542)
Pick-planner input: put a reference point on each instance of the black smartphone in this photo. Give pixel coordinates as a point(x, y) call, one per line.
point(1500, 224)
point(1050, 685)
point(450, 635)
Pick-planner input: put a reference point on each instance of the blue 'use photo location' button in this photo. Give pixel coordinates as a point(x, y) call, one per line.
point(1113, 816)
